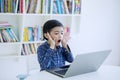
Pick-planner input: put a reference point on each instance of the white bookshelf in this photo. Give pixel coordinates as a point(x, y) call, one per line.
point(21, 20)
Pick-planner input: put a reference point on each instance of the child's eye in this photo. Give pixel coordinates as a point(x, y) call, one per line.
point(56, 33)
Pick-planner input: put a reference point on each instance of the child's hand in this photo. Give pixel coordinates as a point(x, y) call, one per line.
point(66, 37)
point(51, 41)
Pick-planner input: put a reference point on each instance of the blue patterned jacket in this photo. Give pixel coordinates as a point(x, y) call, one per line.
point(49, 58)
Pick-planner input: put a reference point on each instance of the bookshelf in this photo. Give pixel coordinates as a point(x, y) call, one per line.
point(23, 14)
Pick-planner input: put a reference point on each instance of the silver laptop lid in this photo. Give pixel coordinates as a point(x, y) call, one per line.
point(87, 62)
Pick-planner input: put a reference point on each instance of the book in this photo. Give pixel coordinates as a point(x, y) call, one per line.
point(66, 6)
point(77, 7)
point(1, 6)
point(42, 5)
point(1, 38)
point(70, 6)
point(11, 35)
point(21, 6)
point(59, 7)
point(55, 11)
point(6, 35)
point(32, 6)
point(16, 38)
point(4, 25)
point(9, 6)
point(30, 34)
point(26, 5)
point(6, 6)
point(25, 49)
point(13, 6)
point(28, 49)
point(62, 7)
point(16, 6)
point(38, 6)
point(25, 34)
point(32, 47)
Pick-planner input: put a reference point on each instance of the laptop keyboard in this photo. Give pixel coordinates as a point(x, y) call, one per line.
point(63, 71)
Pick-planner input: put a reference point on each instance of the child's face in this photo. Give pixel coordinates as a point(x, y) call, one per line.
point(57, 34)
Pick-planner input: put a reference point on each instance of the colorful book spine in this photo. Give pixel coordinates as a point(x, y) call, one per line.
point(12, 32)
point(66, 6)
point(32, 46)
point(11, 35)
point(59, 7)
point(25, 49)
point(77, 7)
point(1, 6)
point(16, 6)
point(5, 33)
point(13, 6)
point(1, 38)
point(4, 25)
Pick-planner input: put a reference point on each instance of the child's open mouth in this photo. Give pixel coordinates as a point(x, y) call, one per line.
point(59, 41)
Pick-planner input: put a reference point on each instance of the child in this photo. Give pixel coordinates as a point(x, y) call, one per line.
point(50, 54)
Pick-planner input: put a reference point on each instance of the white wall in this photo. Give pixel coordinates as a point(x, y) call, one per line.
point(100, 29)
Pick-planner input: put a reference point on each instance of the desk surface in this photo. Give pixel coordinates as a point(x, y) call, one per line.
point(103, 73)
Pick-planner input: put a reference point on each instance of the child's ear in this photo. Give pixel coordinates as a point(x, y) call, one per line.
point(45, 34)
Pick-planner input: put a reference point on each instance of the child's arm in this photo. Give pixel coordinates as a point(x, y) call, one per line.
point(45, 57)
point(67, 54)
point(66, 50)
point(65, 40)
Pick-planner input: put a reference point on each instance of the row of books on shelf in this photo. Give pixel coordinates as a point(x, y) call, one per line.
point(66, 7)
point(33, 33)
point(77, 7)
point(41, 6)
point(30, 48)
point(56, 7)
point(11, 6)
point(6, 33)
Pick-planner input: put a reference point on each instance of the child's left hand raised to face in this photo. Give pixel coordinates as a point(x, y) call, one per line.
point(65, 40)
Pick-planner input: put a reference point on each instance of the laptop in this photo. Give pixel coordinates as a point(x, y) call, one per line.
point(83, 63)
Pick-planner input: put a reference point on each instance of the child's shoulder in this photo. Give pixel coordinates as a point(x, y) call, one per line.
point(45, 44)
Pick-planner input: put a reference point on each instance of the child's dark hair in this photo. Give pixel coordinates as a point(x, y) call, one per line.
point(50, 24)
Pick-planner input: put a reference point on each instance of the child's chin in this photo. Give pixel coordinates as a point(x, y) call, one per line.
point(58, 44)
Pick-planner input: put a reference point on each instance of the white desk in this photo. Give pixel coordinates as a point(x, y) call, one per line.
point(104, 73)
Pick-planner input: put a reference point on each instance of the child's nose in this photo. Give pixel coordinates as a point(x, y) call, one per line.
point(60, 36)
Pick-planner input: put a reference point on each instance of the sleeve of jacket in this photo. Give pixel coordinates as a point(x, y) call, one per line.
point(67, 54)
